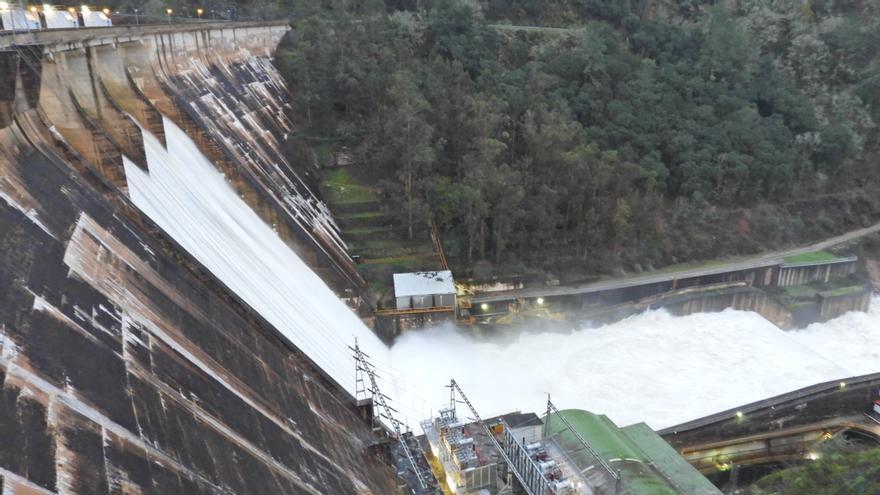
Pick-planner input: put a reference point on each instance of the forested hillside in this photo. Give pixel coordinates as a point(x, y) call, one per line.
point(853, 473)
point(639, 134)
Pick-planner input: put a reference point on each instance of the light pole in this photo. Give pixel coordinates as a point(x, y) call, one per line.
point(199, 12)
point(136, 21)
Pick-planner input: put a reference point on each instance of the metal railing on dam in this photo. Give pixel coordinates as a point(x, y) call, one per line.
point(90, 36)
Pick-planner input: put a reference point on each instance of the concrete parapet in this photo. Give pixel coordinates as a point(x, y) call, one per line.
point(741, 298)
point(743, 289)
point(247, 34)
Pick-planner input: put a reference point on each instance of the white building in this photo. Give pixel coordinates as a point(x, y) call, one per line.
point(424, 289)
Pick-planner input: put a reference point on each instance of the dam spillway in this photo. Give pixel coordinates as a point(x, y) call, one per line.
point(125, 364)
point(192, 202)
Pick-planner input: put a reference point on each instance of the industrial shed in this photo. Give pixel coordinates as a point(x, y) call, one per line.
point(424, 289)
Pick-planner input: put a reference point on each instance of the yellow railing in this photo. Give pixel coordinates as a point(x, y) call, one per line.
point(415, 311)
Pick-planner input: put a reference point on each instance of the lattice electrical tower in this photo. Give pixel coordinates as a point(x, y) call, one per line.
point(380, 405)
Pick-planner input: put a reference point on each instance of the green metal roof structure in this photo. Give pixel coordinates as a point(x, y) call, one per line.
point(647, 465)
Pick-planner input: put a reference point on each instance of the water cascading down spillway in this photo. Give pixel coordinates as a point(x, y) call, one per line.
point(189, 199)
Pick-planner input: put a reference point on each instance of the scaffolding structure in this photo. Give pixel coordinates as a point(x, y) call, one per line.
point(453, 389)
point(522, 454)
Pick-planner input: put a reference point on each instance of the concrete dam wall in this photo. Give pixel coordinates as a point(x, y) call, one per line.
point(95, 89)
point(125, 366)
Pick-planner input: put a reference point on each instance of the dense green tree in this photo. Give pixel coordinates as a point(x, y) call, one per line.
point(456, 33)
point(602, 143)
point(836, 474)
point(408, 143)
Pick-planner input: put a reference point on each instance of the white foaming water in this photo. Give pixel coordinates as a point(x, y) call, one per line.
point(852, 340)
point(186, 196)
point(651, 367)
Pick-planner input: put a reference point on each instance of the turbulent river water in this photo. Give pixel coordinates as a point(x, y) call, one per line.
point(651, 367)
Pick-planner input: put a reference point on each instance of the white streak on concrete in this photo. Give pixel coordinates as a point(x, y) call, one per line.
point(30, 213)
point(12, 481)
point(15, 371)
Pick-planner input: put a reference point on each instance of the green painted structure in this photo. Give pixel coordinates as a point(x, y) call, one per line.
point(646, 463)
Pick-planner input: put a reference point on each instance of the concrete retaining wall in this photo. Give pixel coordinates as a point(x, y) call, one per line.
point(832, 306)
point(698, 294)
point(739, 298)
